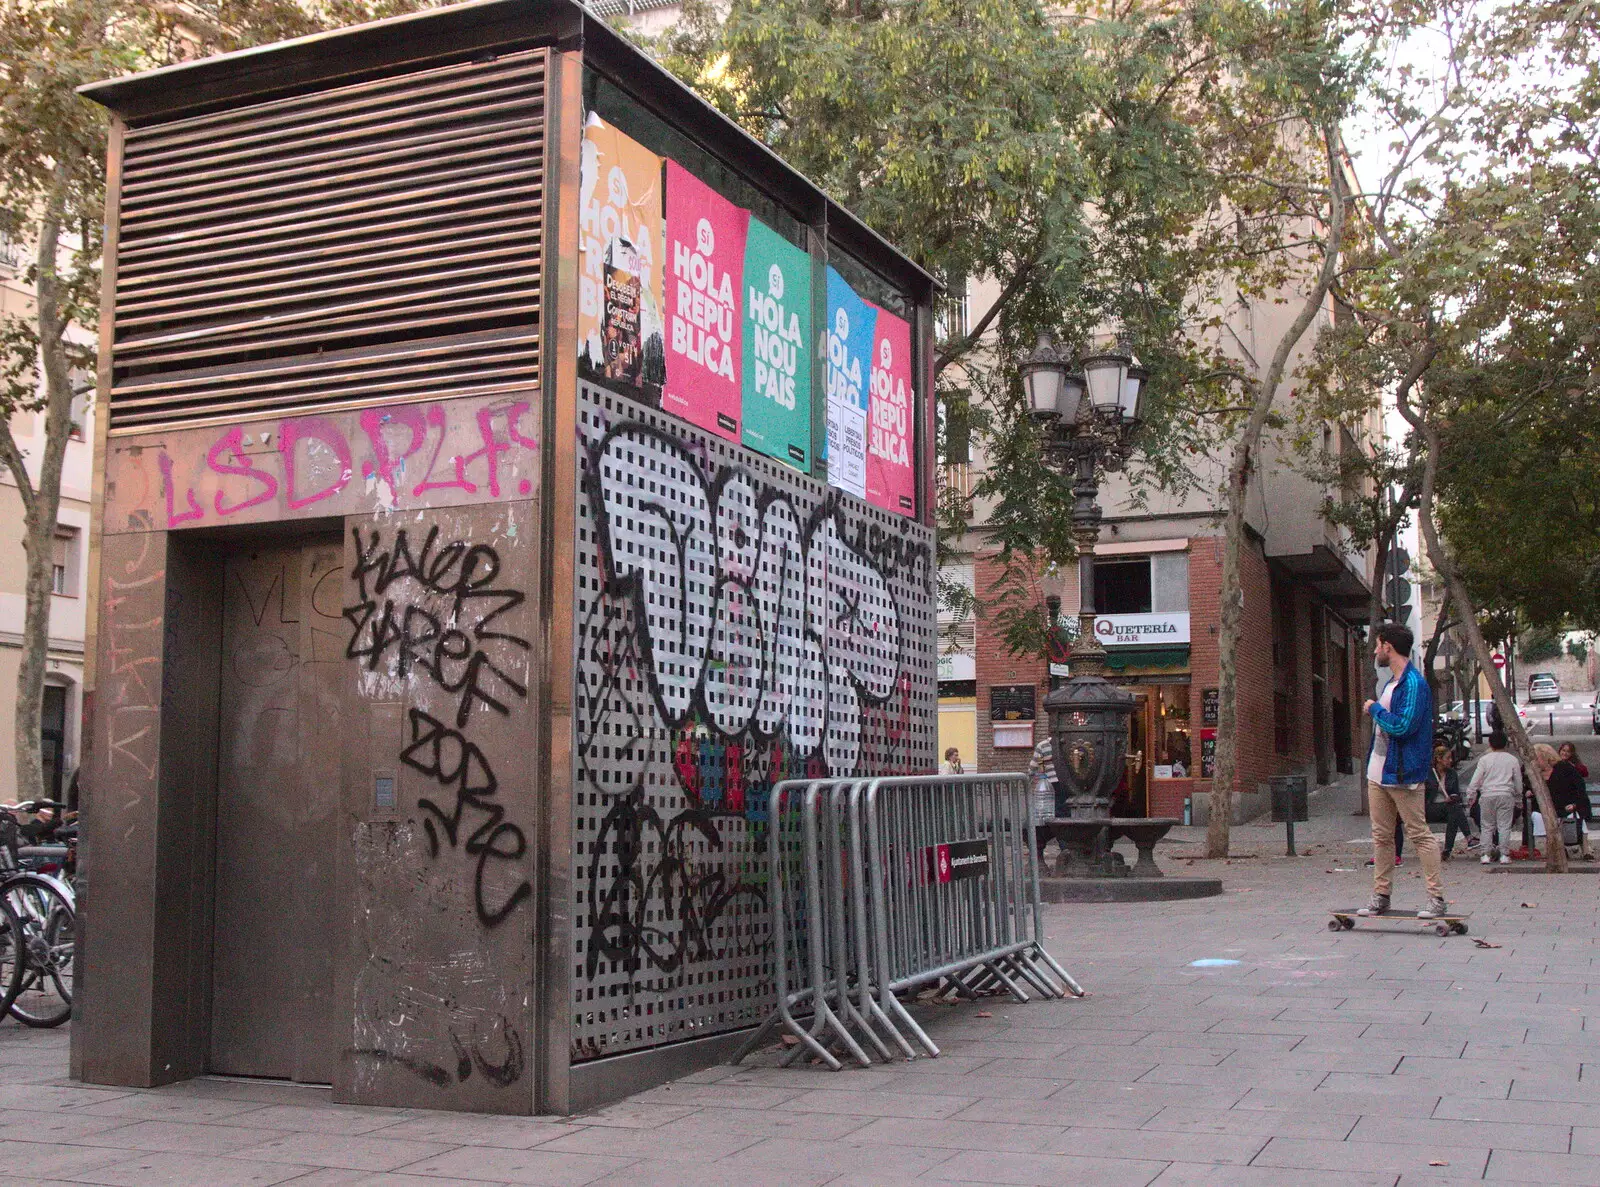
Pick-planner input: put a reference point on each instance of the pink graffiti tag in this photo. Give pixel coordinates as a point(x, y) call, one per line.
point(385, 465)
point(168, 486)
point(315, 428)
point(233, 442)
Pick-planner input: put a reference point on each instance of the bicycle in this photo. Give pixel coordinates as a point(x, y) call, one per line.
point(45, 910)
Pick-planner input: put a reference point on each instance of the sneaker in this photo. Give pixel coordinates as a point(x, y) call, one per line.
point(1486, 860)
point(1505, 859)
point(1437, 908)
point(1397, 861)
point(1472, 842)
point(1377, 906)
point(1445, 855)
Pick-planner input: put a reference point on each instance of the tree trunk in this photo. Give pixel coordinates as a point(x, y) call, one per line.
point(41, 499)
point(1444, 561)
point(1238, 489)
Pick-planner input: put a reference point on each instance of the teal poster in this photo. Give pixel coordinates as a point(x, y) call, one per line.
point(777, 359)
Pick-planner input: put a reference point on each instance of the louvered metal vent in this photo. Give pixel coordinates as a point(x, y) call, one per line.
point(378, 242)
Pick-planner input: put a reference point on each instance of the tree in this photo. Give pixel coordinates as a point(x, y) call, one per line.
point(52, 196)
point(1329, 207)
point(1068, 154)
point(1477, 290)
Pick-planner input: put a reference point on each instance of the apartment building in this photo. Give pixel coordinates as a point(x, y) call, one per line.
point(1158, 574)
point(63, 697)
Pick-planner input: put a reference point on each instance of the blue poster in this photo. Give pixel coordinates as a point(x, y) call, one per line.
point(851, 326)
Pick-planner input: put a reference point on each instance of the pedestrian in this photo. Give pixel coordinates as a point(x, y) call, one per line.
point(1397, 770)
point(952, 762)
point(1495, 785)
point(1443, 805)
point(1444, 791)
point(1570, 752)
point(1568, 796)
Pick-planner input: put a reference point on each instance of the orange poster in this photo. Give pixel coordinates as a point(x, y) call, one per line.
point(620, 341)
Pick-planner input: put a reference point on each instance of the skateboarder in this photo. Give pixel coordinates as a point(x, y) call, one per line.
point(1397, 769)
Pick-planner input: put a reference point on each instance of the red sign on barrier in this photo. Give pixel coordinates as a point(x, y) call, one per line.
point(956, 861)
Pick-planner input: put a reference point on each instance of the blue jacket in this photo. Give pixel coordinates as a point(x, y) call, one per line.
point(1409, 723)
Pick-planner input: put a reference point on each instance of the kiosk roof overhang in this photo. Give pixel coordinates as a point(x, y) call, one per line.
point(475, 29)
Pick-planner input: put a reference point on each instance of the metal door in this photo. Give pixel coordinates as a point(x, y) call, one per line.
point(277, 796)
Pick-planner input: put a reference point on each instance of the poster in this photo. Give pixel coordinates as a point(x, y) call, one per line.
point(777, 347)
point(620, 323)
point(891, 478)
point(851, 326)
point(705, 304)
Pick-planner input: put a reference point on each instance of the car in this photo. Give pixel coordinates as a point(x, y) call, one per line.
point(1457, 711)
point(1594, 715)
point(1542, 686)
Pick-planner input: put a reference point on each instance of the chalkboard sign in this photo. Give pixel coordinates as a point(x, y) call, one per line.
point(1208, 754)
point(1208, 706)
point(1012, 702)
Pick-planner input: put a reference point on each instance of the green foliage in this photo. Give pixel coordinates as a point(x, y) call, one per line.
point(1128, 166)
point(1540, 643)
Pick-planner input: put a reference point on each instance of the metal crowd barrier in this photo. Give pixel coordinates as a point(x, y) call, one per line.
point(880, 887)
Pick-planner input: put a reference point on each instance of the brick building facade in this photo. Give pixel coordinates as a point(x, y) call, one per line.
point(1298, 668)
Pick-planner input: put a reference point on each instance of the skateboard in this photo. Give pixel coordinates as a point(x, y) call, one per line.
point(1445, 924)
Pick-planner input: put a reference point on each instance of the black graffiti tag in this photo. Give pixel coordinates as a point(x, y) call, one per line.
point(433, 612)
point(444, 755)
point(459, 576)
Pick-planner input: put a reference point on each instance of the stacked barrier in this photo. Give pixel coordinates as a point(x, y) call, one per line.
point(881, 887)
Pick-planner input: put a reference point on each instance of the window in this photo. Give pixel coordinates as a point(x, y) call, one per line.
point(955, 427)
point(64, 563)
point(1122, 586)
point(950, 318)
point(1142, 585)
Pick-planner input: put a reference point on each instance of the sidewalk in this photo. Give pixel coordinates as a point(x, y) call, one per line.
point(1307, 1059)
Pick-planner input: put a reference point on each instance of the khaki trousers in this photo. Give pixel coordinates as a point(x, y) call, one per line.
point(1404, 804)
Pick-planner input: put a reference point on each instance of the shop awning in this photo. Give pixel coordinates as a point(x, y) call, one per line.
point(1120, 659)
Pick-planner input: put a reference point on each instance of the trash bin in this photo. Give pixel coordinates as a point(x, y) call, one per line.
point(1289, 798)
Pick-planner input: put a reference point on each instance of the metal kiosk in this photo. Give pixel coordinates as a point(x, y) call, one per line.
point(510, 471)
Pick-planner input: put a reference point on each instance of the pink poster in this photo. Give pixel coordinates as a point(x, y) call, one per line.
point(891, 477)
point(705, 305)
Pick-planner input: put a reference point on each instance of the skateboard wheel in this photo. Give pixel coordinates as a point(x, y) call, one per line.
point(1461, 929)
point(1349, 925)
point(1442, 929)
point(1335, 925)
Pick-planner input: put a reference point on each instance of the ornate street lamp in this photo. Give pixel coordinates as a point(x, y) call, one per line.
point(1083, 436)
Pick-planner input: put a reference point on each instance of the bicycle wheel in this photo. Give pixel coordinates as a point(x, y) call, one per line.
point(13, 956)
point(48, 923)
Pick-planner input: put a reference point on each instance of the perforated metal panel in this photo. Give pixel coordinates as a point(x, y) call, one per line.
point(738, 623)
point(377, 241)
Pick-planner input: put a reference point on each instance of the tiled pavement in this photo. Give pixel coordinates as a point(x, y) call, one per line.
point(1318, 1060)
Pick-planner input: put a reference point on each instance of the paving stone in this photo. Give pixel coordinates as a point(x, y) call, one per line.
point(1462, 1162)
point(875, 1104)
point(775, 1158)
point(180, 1137)
point(329, 1118)
point(543, 1168)
point(1498, 1135)
point(188, 1170)
point(476, 1129)
point(1236, 1149)
point(1046, 1169)
point(351, 1151)
point(1194, 1174)
point(1289, 1123)
point(1523, 1166)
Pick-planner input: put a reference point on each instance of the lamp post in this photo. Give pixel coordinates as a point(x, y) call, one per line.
point(1087, 419)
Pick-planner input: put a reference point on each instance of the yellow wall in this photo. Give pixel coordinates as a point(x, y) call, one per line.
point(958, 727)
